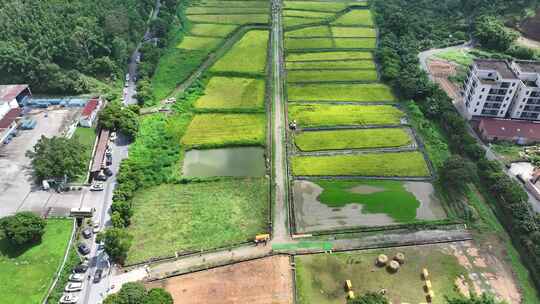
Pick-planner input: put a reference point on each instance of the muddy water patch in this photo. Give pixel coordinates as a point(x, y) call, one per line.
point(365, 189)
point(241, 161)
point(430, 206)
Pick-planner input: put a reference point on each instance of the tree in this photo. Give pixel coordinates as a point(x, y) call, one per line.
point(57, 157)
point(492, 33)
point(158, 296)
point(369, 298)
point(117, 243)
point(456, 173)
point(484, 299)
point(23, 228)
point(123, 119)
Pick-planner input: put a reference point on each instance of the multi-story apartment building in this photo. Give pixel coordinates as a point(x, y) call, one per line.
point(527, 99)
point(490, 88)
point(502, 89)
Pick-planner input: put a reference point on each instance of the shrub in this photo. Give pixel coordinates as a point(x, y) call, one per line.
point(23, 228)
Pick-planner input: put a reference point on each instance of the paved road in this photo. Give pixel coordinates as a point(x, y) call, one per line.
point(458, 104)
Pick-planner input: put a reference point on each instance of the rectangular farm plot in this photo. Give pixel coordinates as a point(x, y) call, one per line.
point(232, 93)
point(372, 92)
point(230, 19)
point(308, 43)
point(352, 139)
point(221, 130)
point(366, 32)
point(332, 55)
point(293, 21)
point(305, 76)
point(391, 164)
point(197, 43)
point(327, 115)
point(198, 10)
point(195, 216)
point(356, 17)
point(333, 64)
point(211, 30)
point(317, 5)
point(323, 205)
point(313, 31)
point(306, 14)
point(248, 55)
point(320, 278)
point(355, 43)
point(214, 3)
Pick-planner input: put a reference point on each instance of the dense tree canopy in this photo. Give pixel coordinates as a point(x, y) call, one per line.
point(57, 157)
point(124, 119)
point(135, 293)
point(23, 228)
point(117, 242)
point(492, 33)
point(50, 43)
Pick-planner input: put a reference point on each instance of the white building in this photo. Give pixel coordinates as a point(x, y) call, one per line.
point(89, 112)
point(490, 88)
point(11, 96)
point(527, 99)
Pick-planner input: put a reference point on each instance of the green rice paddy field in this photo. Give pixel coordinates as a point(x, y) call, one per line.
point(252, 46)
point(373, 92)
point(228, 93)
point(392, 164)
point(331, 75)
point(355, 18)
point(325, 115)
point(319, 6)
point(312, 31)
point(211, 30)
point(306, 14)
point(330, 55)
point(196, 43)
point(344, 64)
point(194, 10)
point(293, 21)
point(352, 139)
point(320, 278)
point(197, 216)
point(220, 130)
point(230, 19)
point(308, 43)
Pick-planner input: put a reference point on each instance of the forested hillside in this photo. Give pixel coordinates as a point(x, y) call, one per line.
point(50, 43)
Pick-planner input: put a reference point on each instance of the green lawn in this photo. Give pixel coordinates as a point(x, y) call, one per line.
point(366, 32)
point(376, 197)
point(312, 31)
point(198, 43)
point(220, 130)
point(355, 17)
point(320, 278)
point(196, 216)
point(345, 64)
point(410, 164)
point(306, 14)
point(308, 43)
point(459, 56)
point(331, 75)
point(211, 30)
point(355, 43)
point(253, 46)
point(332, 55)
point(323, 115)
point(232, 93)
point(230, 19)
point(26, 274)
point(340, 92)
point(352, 139)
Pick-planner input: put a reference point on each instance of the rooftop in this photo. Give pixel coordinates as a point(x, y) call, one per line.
point(89, 107)
point(528, 66)
point(10, 91)
point(100, 150)
point(505, 128)
point(9, 118)
point(501, 66)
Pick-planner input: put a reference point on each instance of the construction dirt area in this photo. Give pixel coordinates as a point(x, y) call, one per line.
point(265, 280)
point(440, 70)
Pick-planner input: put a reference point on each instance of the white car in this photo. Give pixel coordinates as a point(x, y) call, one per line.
point(113, 136)
point(73, 287)
point(95, 227)
point(69, 299)
point(96, 187)
point(76, 277)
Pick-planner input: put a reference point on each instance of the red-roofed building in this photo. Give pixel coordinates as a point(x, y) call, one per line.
point(11, 96)
point(89, 112)
point(520, 132)
point(8, 123)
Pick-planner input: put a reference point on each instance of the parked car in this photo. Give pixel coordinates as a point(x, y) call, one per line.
point(81, 268)
point(76, 277)
point(70, 287)
point(108, 151)
point(87, 233)
point(113, 136)
point(108, 171)
point(97, 275)
point(101, 177)
point(95, 227)
point(109, 160)
point(83, 249)
point(97, 186)
point(69, 299)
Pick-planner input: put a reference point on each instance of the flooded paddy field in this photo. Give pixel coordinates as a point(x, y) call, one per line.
point(321, 205)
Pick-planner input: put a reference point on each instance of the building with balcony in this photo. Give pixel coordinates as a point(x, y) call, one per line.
point(527, 98)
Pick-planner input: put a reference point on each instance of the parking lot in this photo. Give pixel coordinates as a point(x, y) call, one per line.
point(16, 182)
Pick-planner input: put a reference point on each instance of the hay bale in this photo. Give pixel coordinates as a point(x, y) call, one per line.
point(393, 266)
point(400, 258)
point(382, 259)
point(425, 273)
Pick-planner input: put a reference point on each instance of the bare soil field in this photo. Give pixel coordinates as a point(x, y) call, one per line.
point(264, 281)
